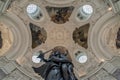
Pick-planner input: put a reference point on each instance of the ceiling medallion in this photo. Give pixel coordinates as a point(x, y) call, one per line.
point(58, 35)
point(60, 1)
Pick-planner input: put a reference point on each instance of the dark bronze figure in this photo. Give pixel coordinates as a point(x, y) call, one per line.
point(57, 67)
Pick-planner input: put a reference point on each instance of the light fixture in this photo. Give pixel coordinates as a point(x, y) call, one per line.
point(32, 8)
point(102, 60)
point(35, 58)
point(85, 12)
point(87, 9)
point(34, 12)
point(110, 8)
point(81, 57)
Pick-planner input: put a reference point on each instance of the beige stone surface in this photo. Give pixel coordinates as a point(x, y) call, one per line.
point(7, 38)
point(16, 53)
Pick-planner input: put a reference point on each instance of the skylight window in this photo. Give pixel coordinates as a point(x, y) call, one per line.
point(32, 8)
point(35, 59)
point(34, 12)
point(87, 9)
point(81, 57)
point(85, 12)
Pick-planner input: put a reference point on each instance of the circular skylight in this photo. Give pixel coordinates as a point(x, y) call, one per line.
point(32, 8)
point(83, 59)
point(35, 59)
point(88, 9)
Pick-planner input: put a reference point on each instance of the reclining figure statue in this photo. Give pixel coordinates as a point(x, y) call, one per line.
point(57, 67)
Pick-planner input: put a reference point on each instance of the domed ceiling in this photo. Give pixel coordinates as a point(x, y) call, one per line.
point(88, 29)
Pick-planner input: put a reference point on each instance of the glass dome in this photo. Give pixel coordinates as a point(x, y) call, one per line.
point(35, 58)
point(32, 8)
point(87, 9)
point(82, 59)
point(85, 12)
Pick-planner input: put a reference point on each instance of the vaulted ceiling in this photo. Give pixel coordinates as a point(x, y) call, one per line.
point(88, 29)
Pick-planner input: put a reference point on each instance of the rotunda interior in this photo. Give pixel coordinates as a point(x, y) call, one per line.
point(88, 30)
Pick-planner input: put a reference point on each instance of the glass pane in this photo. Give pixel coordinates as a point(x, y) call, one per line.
point(87, 9)
point(32, 8)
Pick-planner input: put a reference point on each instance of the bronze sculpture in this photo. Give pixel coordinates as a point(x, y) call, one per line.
point(57, 67)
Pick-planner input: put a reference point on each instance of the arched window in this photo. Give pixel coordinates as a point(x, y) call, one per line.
point(85, 12)
point(34, 11)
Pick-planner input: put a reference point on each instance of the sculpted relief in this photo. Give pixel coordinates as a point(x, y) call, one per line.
point(60, 15)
